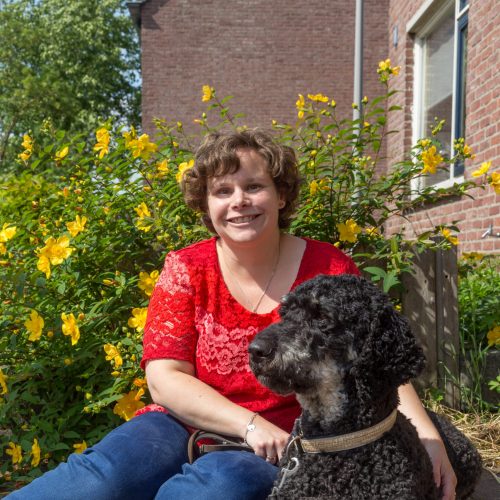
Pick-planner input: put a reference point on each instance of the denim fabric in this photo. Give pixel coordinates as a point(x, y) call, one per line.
point(145, 458)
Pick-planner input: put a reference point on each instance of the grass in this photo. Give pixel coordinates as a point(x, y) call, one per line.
point(482, 428)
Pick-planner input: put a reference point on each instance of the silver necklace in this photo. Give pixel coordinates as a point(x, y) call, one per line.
point(268, 284)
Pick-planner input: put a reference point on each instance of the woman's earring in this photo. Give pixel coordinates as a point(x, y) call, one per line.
point(281, 204)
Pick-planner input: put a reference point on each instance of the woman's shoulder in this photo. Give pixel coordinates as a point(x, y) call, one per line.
point(320, 254)
point(196, 254)
point(322, 247)
point(185, 269)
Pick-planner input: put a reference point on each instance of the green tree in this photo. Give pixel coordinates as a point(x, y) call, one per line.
point(71, 62)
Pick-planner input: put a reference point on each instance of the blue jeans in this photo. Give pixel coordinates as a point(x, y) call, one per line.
point(147, 458)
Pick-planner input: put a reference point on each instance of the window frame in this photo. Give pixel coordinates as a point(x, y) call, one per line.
point(424, 23)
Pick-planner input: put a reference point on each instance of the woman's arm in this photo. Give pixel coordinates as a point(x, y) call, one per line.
point(173, 385)
point(411, 406)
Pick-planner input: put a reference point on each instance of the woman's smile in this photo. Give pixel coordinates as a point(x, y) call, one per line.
point(242, 219)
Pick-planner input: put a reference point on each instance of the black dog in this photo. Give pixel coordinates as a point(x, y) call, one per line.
point(344, 350)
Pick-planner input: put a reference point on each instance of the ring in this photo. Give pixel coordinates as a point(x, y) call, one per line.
point(272, 458)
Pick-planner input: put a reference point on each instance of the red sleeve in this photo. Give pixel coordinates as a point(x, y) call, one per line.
point(170, 330)
point(325, 258)
point(351, 267)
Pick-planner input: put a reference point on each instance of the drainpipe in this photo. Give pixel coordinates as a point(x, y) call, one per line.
point(358, 60)
point(358, 76)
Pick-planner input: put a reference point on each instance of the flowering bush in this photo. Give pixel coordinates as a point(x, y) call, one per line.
point(479, 326)
point(86, 225)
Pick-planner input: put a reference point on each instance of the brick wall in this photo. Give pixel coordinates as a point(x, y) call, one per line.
point(482, 121)
point(263, 53)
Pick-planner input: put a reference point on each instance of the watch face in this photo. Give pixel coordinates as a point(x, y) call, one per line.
point(251, 427)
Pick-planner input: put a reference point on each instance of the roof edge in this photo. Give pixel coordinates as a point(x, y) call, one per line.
point(134, 9)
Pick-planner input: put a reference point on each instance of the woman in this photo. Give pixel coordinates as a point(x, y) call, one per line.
point(210, 301)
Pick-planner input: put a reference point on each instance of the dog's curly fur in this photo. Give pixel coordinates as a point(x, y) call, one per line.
point(344, 350)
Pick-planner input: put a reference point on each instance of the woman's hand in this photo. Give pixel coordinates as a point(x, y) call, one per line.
point(267, 440)
point(412, 408)
point(444, 476)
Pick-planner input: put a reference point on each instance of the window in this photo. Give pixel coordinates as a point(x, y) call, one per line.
point(440, 71)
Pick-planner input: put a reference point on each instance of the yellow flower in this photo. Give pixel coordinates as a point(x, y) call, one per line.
point(112, 354)
point(7, 233)
point(142, 225)
point(129, 136)
point(313, 187)
point(140, 382)
point(127, 406)
point(15, 451)
point(183, 167)
point(162, 167)
point(431, 159)
point(103, 138)
point(147, 282)
point(43, 265)
point(348, 231)
point(35, 453)
point(493, 336)
point(483, 169)
point(3, 383)
point(208, 93)
point(448, 236)
point(467, 150)
point(25, 155)
point(472, 256)
point(27, 142)
point(80, 447)
point(70, 327)
point(77, 226)
point(56, 250)
point(300, 106)
point(373, 232)
point(53, 253)
point(34, 325)
point(138, 318)
point(142, 147)
point(3, 249)
point(385, 69)
point(384, 66)
point(495, 181)
point(62, 153)
point(142, 211)
point(317, 97)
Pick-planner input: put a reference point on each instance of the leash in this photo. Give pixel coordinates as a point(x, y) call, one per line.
point(328, 444)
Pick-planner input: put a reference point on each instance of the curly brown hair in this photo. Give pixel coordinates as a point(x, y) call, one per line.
point(217, 156)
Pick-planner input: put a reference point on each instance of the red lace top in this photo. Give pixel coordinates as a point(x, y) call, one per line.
point(193, 317)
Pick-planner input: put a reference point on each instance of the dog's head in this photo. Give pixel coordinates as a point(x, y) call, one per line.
point(337, 335)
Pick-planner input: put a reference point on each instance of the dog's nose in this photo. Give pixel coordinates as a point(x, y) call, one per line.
point(260, 349)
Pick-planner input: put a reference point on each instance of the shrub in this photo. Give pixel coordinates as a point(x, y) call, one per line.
point(479, 323)
point(86, 222)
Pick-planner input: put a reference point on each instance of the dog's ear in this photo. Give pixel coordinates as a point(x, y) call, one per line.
point(403, 357)
point(390, 355)
point(304, 306)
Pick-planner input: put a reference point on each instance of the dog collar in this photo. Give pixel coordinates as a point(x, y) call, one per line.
point(331, 444)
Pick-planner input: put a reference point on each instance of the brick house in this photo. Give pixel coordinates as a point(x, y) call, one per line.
point(265, 53)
